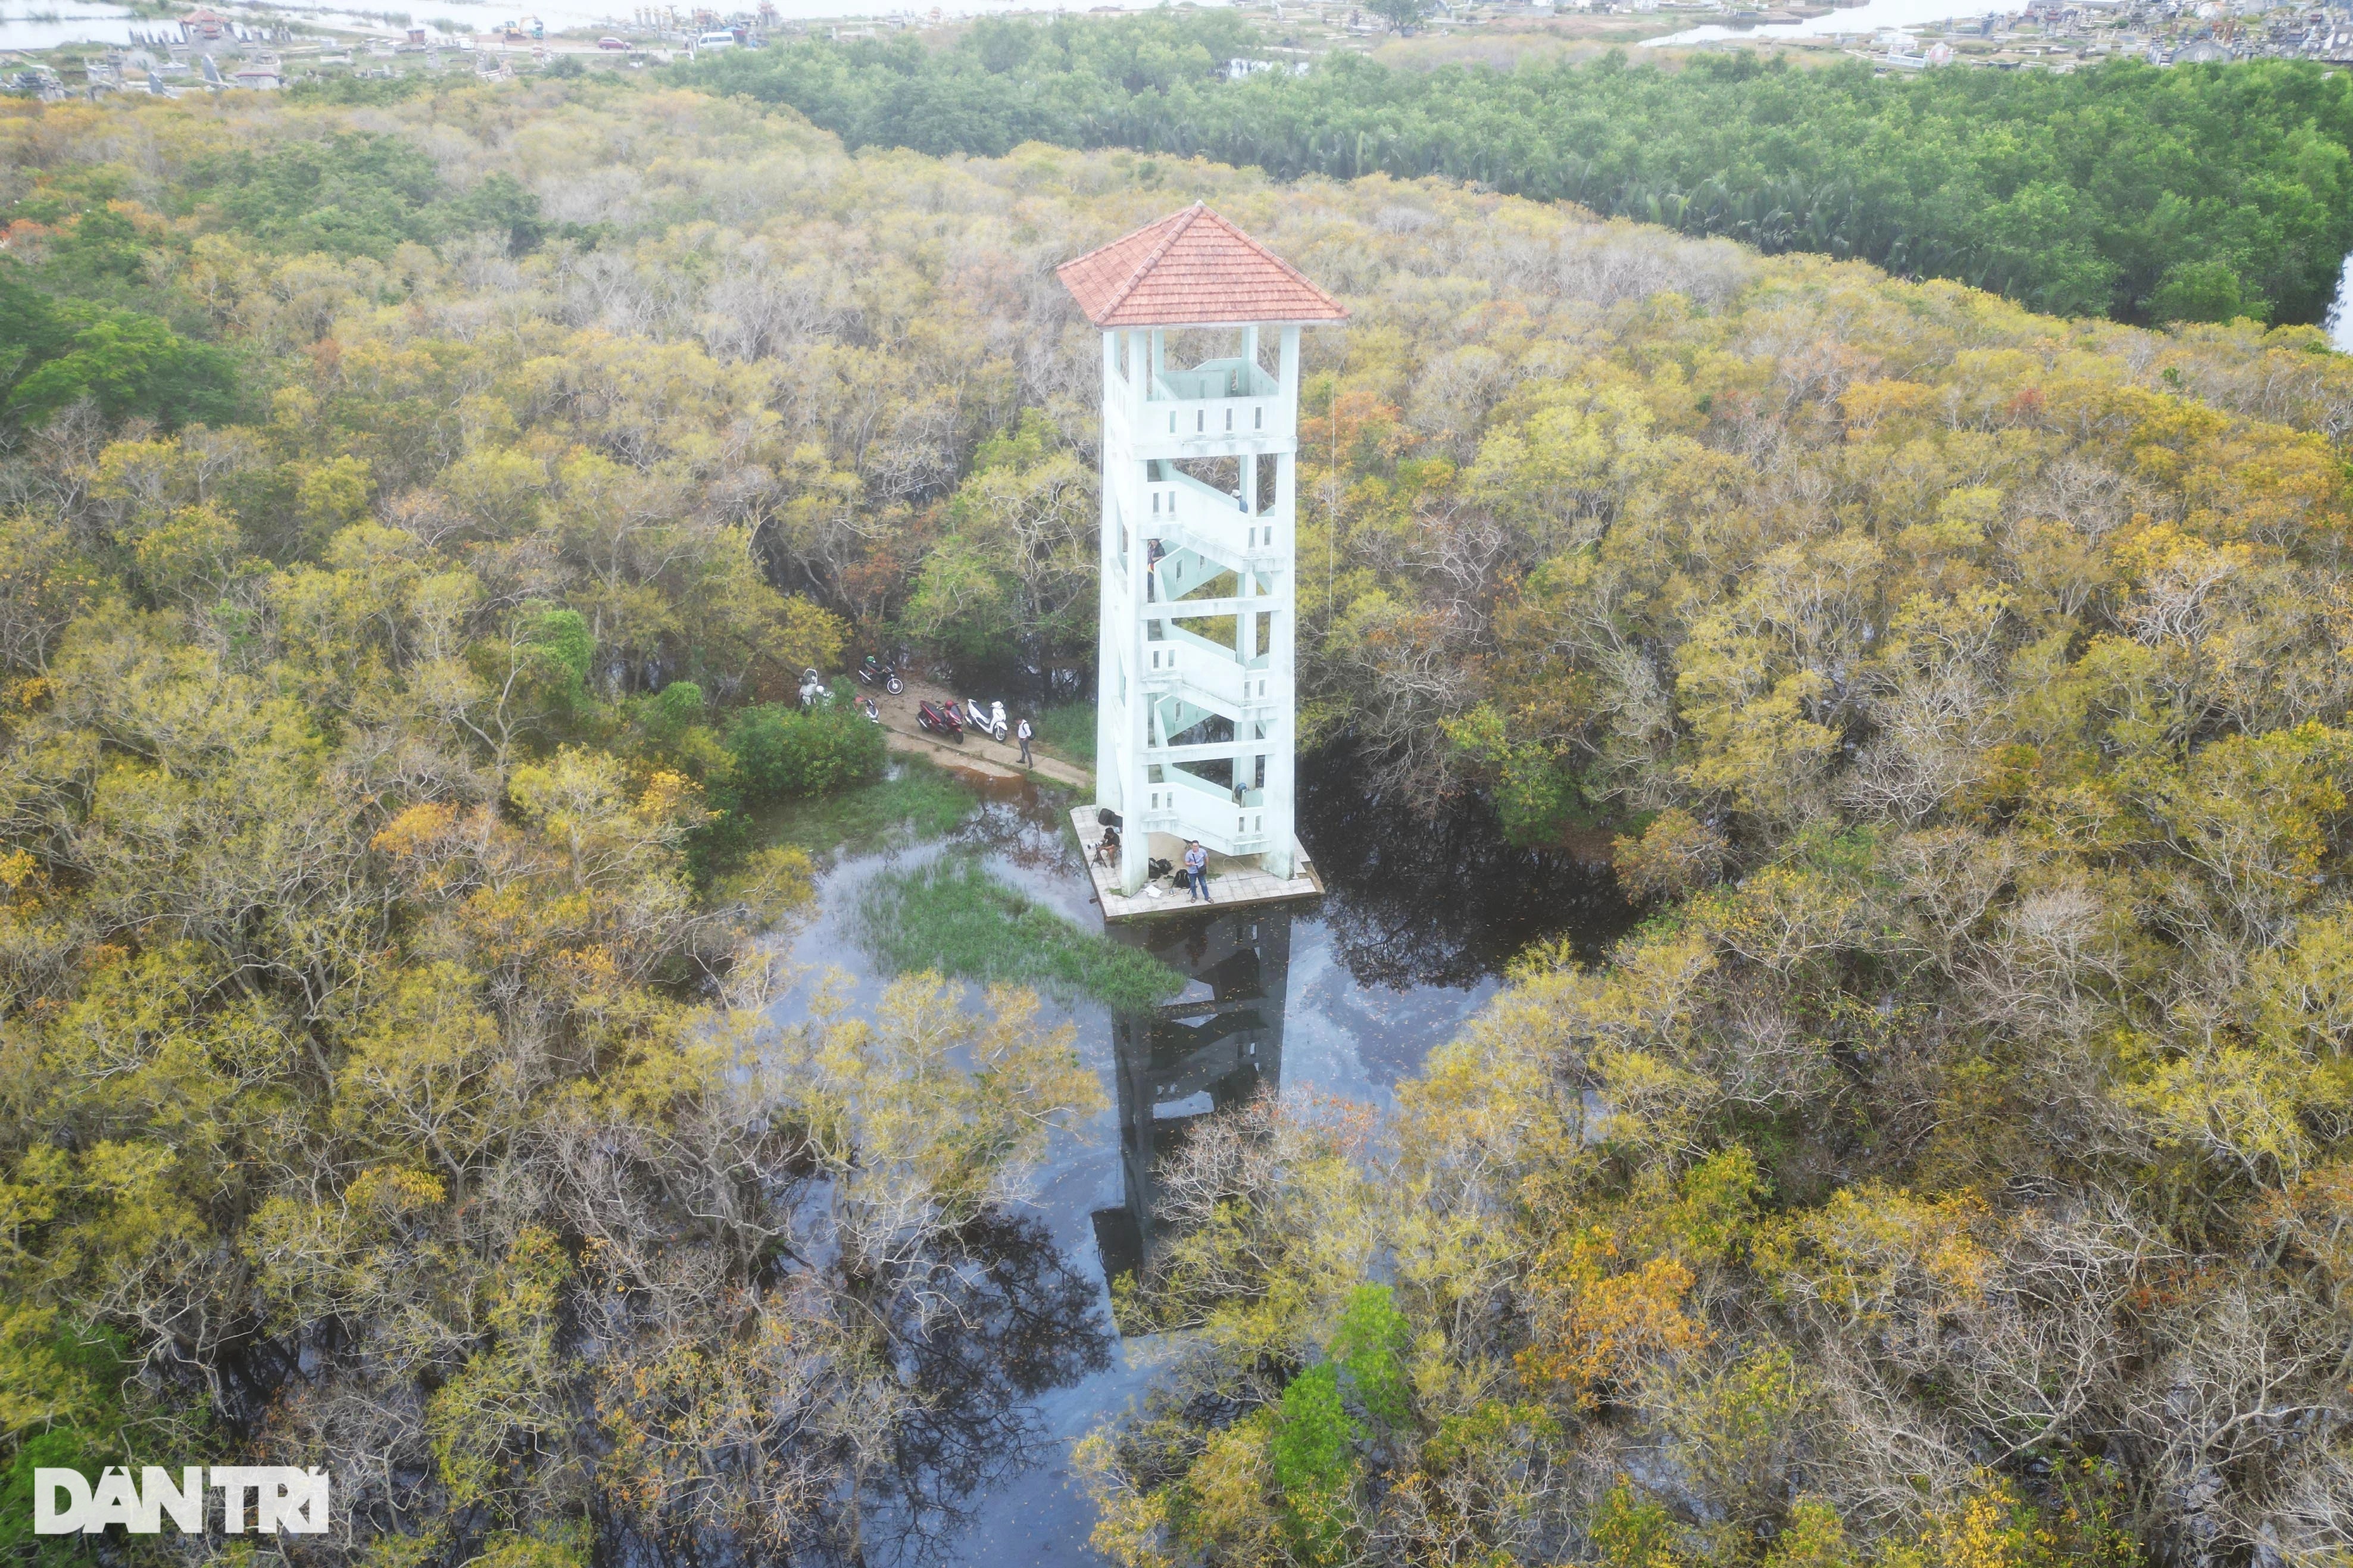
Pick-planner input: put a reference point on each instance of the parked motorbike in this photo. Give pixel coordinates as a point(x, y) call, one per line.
point(813, 691)
point(875, 672)
point(989, 721)
point(941, 721)
point(873, 714)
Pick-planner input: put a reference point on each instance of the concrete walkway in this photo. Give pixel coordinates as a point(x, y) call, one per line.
point(978, 754)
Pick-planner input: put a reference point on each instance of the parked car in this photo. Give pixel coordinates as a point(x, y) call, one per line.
point(611, 44)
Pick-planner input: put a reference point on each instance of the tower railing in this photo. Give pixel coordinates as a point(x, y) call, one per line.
point(1179, 509)
point(1213, 380)
point(1225, 681)
point(1185, 804)
point(1218, 406)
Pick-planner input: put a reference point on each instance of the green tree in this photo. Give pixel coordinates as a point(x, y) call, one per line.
point(127, 365)
point(2205, 292)
point(1371, 1345)
point(1314, 1459)
point(1402, 15)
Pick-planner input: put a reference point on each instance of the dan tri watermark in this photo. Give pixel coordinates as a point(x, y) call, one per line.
point(278, 1498)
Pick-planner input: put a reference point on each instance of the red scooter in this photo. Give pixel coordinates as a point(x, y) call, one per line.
point(939, 720)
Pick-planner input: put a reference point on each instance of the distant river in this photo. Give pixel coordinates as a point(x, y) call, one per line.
point(1866, 20)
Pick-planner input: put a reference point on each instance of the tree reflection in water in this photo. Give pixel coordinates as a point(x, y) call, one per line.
point(1218, 1044)
point(1412, 901)
point(1410, 904)
point(1006, 1318)
point(886, 1443)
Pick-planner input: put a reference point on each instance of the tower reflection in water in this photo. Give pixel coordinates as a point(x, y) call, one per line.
point(1214, 1047)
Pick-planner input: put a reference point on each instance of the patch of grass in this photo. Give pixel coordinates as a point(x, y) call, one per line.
point(954, 917)
point(915, 803)
point(1068, 730)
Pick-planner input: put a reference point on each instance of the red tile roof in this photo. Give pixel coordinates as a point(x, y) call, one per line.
point(1192, 269)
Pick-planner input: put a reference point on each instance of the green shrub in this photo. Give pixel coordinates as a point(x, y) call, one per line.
point(559, 650)
point(359, 193)
point(1632, 1530)
point(2205, 292)
point(69, 1376)
point(1314, 1459)
point(1537, 798)
point(1370, 1346)
point(780, 752)
point(562, 640)
point(675, 709)
point(353, 90)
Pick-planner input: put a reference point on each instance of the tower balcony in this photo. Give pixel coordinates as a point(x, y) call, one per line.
point(1220, 381)
point(1220, 408)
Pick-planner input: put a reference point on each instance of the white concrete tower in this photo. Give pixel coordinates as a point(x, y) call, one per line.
point(1194, 721)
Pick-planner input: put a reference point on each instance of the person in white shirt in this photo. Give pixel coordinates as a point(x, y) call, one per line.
point(1022, 732)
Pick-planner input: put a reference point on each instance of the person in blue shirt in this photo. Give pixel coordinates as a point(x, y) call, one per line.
point(1196, 871)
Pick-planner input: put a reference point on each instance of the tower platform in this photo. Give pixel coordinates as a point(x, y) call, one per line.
point(1235, 882)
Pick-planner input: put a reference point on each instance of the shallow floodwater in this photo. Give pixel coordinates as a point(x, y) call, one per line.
point(1342, 997)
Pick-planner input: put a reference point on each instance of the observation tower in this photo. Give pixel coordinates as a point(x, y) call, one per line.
point(1194, 726)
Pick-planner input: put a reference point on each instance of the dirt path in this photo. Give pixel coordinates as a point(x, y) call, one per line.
point(947, 755)
point(978, 754)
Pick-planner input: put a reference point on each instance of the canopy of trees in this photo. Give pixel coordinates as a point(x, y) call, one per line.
point(1952, 1171)
point(391, 1077)
point(1953, 1168)
point(2194, 194)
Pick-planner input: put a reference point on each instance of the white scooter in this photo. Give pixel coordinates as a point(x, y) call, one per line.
point(991, 723)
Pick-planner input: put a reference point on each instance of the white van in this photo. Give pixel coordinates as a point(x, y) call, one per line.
point(714, 41)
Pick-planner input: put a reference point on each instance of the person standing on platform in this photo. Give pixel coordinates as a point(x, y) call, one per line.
point(1022, 732)
point(1196, 871)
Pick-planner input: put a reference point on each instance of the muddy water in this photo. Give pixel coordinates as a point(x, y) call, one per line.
point(1342, 997)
